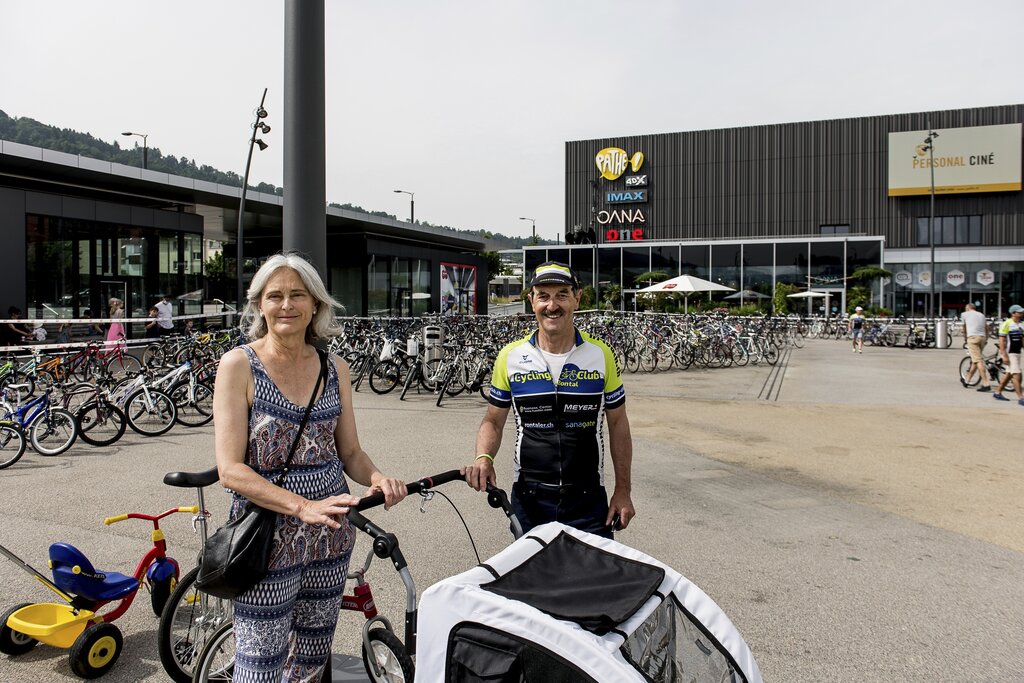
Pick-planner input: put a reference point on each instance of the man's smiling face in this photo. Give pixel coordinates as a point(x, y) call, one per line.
point(553, 306)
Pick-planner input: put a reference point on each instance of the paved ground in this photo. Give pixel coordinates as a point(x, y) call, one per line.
point(858, 516)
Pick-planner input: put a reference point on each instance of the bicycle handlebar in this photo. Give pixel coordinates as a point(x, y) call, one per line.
point(413, 487)
point(150, 518)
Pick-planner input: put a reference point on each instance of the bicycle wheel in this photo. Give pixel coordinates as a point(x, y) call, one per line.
point(194, 406)
point(53, 432)
point(100, 423)
point(217, 660)
point(384, 376)
point(12, 445)
point(187, 622)
point(150, 412)
point(430, 374)
point(153, 356)
point(389, 654)
point(25, 382)
point(126, 364)
point(965, 365)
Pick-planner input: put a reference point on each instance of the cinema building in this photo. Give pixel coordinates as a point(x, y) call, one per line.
point(807, 204)
point(78, 231)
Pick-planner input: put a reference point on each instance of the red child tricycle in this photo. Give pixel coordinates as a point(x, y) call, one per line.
point(78, 624)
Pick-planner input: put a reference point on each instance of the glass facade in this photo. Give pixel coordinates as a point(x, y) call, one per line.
point(758, 268)
point(74, 266)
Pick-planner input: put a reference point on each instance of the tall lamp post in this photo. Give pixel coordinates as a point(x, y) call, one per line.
point(533, 223)
point(412, 204)
point(145, 146)
point(262, 127)
point(929, 145)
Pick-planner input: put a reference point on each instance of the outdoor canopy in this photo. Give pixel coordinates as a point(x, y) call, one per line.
point(686, 284)
point(747, 294)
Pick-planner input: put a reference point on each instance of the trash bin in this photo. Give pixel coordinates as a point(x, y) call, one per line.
point(433, 339)
point(941, 332)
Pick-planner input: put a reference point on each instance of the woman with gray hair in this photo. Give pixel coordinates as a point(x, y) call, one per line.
point(284, 624)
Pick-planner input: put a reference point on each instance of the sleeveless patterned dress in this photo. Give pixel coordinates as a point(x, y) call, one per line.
point(284, 625)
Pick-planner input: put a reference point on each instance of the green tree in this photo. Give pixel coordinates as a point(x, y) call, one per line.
point(781, 301)
point(493, 264)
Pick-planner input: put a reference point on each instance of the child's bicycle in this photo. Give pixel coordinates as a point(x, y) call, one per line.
point(51, 430)
point(78, 624)
point(385, 657)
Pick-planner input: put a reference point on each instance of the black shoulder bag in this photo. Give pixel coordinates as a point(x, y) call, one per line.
point(237, 556)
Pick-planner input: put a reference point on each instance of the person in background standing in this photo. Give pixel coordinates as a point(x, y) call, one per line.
point(976, 333)
point(856, 329)
point(13, 335)
point(164, 316)
point(115, 332)
point(151, 327)
point(1011, 338)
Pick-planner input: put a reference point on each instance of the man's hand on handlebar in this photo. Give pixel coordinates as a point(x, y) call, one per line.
point(480, 473)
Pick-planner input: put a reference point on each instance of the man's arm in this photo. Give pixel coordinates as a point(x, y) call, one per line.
point(488, 441)
point(621, 442)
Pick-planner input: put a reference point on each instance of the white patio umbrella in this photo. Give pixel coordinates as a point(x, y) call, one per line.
point(809, 294)
point(687, 285)
point(747, 294)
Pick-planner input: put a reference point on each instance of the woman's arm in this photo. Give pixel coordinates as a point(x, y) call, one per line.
point(358, 464)
point(231, 402)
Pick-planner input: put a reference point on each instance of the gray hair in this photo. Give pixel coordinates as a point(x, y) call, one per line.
point(321, 326)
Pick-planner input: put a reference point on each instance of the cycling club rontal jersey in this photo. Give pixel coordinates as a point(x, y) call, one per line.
point(558, 427)
point(1014, 333)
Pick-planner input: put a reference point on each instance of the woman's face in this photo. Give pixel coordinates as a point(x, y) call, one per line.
point(286, 304)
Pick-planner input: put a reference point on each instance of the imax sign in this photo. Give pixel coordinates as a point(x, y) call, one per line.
point(630, 196)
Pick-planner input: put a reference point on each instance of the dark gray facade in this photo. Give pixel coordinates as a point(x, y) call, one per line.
point(785, 180)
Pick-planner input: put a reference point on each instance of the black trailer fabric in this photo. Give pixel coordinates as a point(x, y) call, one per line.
point(575, 581)
point(672, 647)
point(478, 654)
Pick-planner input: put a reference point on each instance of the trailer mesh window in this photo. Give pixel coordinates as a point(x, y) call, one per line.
point(671, 647)
point(477, 654)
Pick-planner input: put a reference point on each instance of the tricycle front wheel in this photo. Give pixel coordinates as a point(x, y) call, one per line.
point(96, 650)
point(14, 642)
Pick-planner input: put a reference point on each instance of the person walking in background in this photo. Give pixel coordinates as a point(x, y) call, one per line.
point(855, 328)
point(115, 311)
point(13, 335)
point(562, 383)
point(151, 326)
point(976, 333)
point(164, 316)
point(1011, 338)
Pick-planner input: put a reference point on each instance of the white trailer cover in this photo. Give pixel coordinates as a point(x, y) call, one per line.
point(582, 608)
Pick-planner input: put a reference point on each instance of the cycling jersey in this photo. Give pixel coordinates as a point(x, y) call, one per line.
point(1014, 333)
point(558, 428)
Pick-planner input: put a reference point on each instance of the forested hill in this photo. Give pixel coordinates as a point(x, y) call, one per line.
point(31, 132)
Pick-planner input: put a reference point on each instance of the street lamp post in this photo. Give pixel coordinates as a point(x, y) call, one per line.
point(533, 223)
point(929, 145)
point(262, 127)
point(412, 204)
point(145, 146)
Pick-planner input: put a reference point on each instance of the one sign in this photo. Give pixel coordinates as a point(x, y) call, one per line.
point(904, 278)
point(977, 159)
point(924, 278)
point(955, 278)
point(612, 162)
point(986, 277)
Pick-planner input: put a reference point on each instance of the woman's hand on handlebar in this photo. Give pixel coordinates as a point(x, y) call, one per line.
point(394, 490)
point(328, 511)
point(480, 473)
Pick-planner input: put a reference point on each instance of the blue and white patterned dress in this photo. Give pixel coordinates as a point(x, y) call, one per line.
point(284, 625)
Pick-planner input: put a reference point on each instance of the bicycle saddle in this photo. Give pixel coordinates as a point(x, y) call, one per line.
point(73, 573)
point(192, 480)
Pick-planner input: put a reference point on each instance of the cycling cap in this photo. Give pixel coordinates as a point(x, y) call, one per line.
point(858, 309)
point(554, 273)
point(1016, 309)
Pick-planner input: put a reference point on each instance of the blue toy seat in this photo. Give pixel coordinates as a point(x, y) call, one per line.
point(88, 582)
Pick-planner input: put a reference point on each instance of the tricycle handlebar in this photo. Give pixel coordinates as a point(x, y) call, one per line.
point(150, 518)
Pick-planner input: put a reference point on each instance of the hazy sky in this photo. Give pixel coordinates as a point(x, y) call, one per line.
point(468, 103)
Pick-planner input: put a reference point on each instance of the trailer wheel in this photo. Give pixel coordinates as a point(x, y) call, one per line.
point(96, 650)
point(12, 642)
point(392, 660)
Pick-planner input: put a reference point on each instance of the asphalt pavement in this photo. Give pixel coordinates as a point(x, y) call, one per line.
point(822, 588)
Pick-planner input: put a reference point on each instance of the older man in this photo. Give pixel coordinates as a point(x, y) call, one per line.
point(976, 333)
point(562, 384)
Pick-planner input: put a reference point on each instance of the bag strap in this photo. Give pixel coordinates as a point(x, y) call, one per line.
point(305, 416)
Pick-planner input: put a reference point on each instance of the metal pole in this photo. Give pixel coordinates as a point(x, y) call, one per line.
point(931, 219)
point(305, 185)
point(239, 299)
point(145, 153)
point(412, 208)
